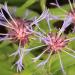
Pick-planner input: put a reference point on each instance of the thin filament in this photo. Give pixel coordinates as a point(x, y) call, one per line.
point(62, 68)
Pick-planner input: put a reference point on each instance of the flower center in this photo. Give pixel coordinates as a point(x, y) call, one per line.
point(54, 42)
point(20, 31)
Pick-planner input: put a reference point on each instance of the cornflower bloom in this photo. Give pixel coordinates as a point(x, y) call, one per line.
point(18, 30)
point(68, 14)
point(55, 43)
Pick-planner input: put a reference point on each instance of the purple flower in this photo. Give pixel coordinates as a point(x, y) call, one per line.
point(55, 43)
point(19, 30)
point(68, 14)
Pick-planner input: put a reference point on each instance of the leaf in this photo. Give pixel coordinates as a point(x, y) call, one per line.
point(6, 63)
point(13, 2)
point(60, 11)
point(20, 11)
point(66, 60)
point(29, 14)
point(43, 4)
point(72, 43)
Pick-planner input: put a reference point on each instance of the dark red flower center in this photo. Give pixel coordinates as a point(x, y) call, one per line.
point(54, 42)
point(21, 31)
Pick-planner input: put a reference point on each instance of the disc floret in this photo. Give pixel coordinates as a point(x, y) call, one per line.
point(54, 42)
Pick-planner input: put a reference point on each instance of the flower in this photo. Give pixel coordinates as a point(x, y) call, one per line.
point(18, 30)
point(68, 14)
point(55, 43)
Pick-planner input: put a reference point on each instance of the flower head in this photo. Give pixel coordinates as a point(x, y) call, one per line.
point(18, 30)
point(55, 43)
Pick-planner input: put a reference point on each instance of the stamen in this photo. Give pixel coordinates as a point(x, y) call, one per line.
point(6, 26)
point(48, 19)
point(41, 29)
point(3, 34)
point(70, 49)
point(68, 53)
point(74, 3)
point(5, 18)
point(71, 6)
point(45, 61)
point(39, 56)
point(28, 50)
point(70, 39)
point(57, 4)
point(38, 33)
point(2, 39)
point(61, 64)
point(36, 23)
point(19, 65)
point(1, 17)
point(6, 9)
point(17, 52)
point(67, 22)
point(43, 16)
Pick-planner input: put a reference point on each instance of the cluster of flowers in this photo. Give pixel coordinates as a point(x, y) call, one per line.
point(20, 30)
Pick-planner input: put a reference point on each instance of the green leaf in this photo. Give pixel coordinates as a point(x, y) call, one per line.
point(71, 43)
point(13, 2)
point(61, 12)
point(29, 14)
point(43, 4)
point(66, 60)
point(20, 11)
